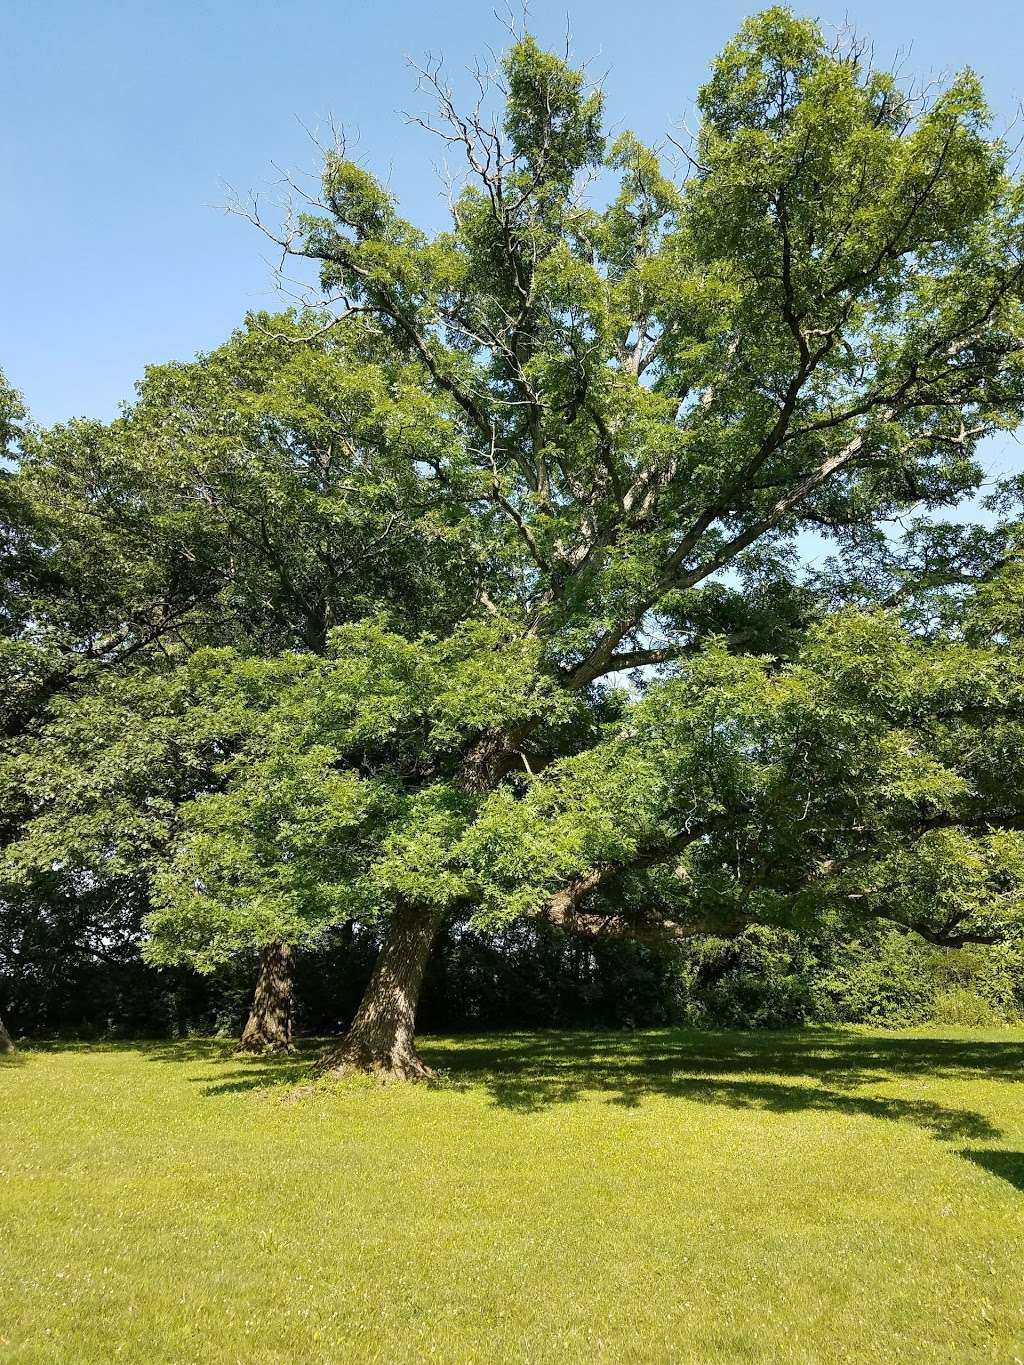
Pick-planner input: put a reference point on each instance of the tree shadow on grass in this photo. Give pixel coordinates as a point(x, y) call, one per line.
point(844, 1058)
point(179, 1049)
point(1008, 1166)
point(232, 1071)
point(811, 1070)
point(235, 1071)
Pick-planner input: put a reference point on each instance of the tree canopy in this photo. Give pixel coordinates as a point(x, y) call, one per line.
point(476, 590)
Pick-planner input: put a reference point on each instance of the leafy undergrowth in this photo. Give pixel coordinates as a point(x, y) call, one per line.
point(801, 1197)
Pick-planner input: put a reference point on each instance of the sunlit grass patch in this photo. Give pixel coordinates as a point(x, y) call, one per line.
point(811, 1197)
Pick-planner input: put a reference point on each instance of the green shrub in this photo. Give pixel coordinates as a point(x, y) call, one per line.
point(995, 974)
point(761, 979)
point(886, 979)
point(963, 1006)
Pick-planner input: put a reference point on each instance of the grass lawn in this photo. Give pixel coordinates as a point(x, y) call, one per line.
point(794, 1197)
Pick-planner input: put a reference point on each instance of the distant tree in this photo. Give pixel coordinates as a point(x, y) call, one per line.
point(257, 497)
point(11, 414)
point(296, 468)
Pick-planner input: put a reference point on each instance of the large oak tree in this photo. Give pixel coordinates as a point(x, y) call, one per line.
point(574, 436)
point(814, 329)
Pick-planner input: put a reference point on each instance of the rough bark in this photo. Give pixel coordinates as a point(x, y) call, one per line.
point(382, 1037)
point(269, 1026)
point(6, 1044)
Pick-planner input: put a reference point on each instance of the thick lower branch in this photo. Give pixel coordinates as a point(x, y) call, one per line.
point(565, 906)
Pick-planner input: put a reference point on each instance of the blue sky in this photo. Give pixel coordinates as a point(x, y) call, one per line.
point(122, 123)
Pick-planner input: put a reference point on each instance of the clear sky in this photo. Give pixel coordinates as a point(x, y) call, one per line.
point(123, 121)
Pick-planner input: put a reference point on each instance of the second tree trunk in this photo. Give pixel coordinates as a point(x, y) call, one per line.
point(269, 1027)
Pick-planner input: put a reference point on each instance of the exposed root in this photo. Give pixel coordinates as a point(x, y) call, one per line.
point(263, 1047)
point(397, 1064)
point(343, 1063)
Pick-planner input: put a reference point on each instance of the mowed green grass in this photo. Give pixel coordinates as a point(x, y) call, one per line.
point(817, 1196)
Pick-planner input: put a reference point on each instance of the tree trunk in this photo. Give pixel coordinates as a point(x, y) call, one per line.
point(382, 1038)
point(6, 1045)
point(269, 1027)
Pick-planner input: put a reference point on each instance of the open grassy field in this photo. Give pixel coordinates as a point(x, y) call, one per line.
point(818, 1196)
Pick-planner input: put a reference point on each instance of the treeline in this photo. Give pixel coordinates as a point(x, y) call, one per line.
point(535, 976)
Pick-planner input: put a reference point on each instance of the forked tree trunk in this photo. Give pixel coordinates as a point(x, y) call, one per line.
point(269, 1026)
point(6, 1044)
point(382, 1038)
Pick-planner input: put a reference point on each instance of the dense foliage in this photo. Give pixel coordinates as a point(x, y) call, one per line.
point(473, 597)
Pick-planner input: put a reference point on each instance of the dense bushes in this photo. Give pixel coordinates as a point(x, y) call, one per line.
point(772, 978)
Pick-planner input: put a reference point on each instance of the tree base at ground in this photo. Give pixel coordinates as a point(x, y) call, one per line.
point(257, 1046)
point(398, 1063)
